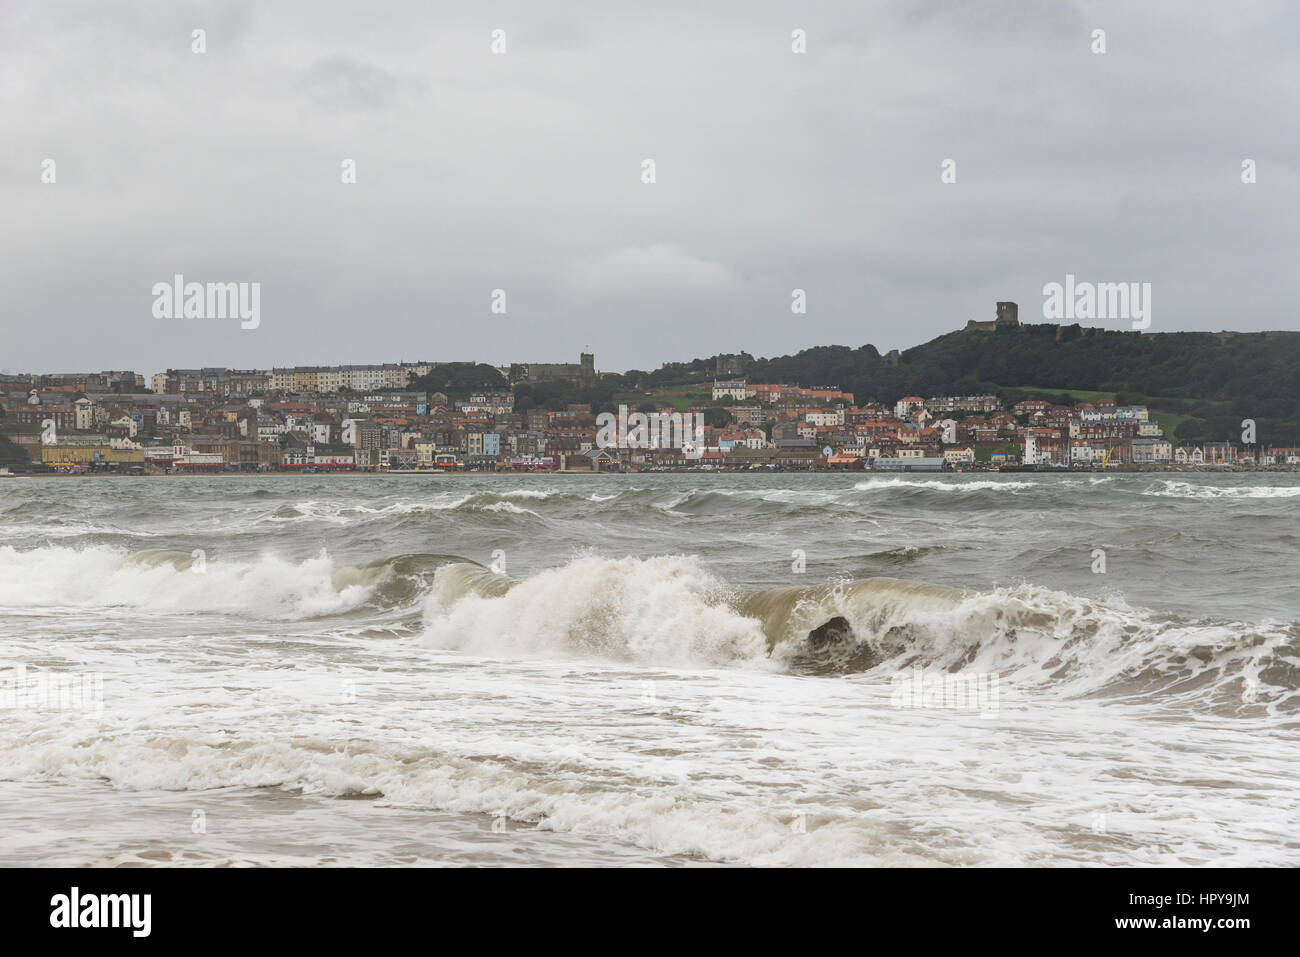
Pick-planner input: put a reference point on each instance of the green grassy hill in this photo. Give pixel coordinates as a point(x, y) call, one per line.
point(1199, 384)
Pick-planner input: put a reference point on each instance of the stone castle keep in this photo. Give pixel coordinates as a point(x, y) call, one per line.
point(1008, 318)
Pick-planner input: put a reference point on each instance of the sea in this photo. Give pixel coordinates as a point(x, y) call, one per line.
point(651, 670)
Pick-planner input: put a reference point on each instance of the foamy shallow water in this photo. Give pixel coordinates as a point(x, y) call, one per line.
point(754, 768)
point(65, 825)
point(353, 707)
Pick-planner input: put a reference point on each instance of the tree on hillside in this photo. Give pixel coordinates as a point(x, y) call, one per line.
point(458, 379)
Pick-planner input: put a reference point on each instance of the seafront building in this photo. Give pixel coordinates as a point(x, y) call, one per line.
point(369, 418)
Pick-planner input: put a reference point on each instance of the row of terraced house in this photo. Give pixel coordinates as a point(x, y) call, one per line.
point(365, 417)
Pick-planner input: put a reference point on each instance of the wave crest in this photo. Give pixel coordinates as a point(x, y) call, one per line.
point(669, 611)
point(1171, 488)
point(664, 610)
point(170, 581)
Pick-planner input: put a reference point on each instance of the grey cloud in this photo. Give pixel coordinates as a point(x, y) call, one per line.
point(775, 171)
point(346, 83)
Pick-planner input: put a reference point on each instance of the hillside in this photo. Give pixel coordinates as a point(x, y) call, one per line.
point(1203, 383)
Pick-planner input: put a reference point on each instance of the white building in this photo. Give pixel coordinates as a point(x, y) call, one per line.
point(907, 405)
point(825, 417)
point(85, 413)
point(1152, 451)
point(730, 389)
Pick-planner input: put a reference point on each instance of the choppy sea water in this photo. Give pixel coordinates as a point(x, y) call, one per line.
point(665, 669)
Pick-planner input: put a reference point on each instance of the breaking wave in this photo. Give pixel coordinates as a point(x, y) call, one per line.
point(670, 611)
point(343, 513)
point(163, 580)
point(939, 485)
point(1170, 488)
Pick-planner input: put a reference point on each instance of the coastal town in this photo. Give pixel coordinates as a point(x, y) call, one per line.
point(370, 418)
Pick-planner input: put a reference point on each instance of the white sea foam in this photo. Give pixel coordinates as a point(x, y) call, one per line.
point(941, 485)
point(1170, 488)
point(656, 611)
point(735, 766)
point(644, 701)
point(108, 577)
point(347, 513)
point(669, 611)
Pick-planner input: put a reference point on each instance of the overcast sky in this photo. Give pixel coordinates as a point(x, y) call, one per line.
point(523, 171)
